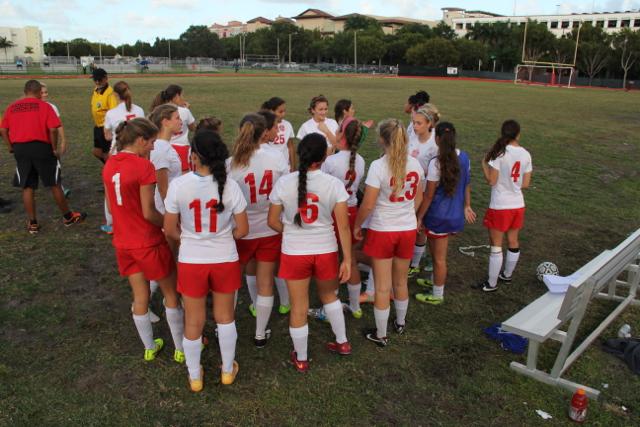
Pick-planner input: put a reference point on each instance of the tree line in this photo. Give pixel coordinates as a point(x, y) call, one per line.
point(496, 46)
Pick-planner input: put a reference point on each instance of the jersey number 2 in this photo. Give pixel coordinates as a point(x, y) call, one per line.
point(196, 205)
point(265, 185)
point(515, 171)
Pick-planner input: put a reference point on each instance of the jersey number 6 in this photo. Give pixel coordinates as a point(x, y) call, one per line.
point(309, 211)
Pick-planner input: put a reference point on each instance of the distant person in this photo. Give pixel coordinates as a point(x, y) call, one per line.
point(29, 126)
point(102, 100)
point(236, 65)
point(19, 64)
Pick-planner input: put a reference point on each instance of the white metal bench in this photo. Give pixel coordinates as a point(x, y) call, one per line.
point(12, 68)
point(543, 318)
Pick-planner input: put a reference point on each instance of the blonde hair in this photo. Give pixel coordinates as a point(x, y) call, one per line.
point(394, 138)
point(162, 112)
point(252, 126)
point(431, 113)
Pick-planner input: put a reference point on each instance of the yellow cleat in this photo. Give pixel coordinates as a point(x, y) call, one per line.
point(150, 355)
point(197, 385)
point(227, 378)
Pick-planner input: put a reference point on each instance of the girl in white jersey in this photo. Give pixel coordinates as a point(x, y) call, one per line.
point(210, 211)
point(61, 147)
point(348, 166)
point(125, 111)
point(393, 192)
point(302, 204)
point(507, 168)
point(283, 141)
point(413, 103)
point(422, 146)
point(180, 141)
point(256, 169)
point(320, 123)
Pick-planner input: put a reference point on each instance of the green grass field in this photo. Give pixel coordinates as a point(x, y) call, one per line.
point(70, 355)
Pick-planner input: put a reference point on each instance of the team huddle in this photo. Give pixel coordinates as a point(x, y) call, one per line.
point(191, 218)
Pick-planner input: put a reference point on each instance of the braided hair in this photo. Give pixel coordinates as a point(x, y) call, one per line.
point(447, 157)
point(212, 152)
point(352, 134)
point(509, 132)
point(312, 149)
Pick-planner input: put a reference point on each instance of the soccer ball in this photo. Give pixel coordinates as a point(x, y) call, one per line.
point(546, 268)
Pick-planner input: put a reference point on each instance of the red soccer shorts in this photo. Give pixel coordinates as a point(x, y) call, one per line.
point(390, 244)
point(263, 249)
point(353, 213)
point(183, 153)
point(196, 280)
point(298, 267)
point(155, 262)
point(504, 219)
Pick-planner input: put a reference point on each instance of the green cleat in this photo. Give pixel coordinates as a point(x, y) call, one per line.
point(178, 356)
point(252, 310)
point(429, 299)
point(150, 355)
point(413, 271)
point(425, 283)
point(284, 309)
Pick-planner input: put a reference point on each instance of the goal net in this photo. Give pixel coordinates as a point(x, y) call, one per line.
point(545, 75)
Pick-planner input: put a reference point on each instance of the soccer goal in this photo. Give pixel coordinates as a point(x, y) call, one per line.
point(545, 74)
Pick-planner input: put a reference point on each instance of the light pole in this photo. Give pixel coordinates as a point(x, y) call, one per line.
point(289, 48)
point(355, 50)
point(169, 42)
point(68, 55)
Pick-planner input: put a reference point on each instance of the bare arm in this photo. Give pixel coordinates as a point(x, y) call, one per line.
point(367, 205)
point(291, 146)
point(149, 211)
point(162, 178)
point(526, 180)
point(429, 192)
point(171, 227)
point(469, 214)
point(62, 141)
point(242, 225)
point(342, 221)
point(53, 137)
point(273, 220)
point(490, 174)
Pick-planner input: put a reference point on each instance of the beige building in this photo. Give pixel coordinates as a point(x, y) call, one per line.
point(22, 38)
point(257, 23)
point(232, 28)
point(389, 25)
point(316, 19)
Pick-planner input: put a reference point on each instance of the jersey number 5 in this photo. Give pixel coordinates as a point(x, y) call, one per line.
point(309, 211)
point(265, 185)
point(196, 205)
point(515, 171)
point(413, 179)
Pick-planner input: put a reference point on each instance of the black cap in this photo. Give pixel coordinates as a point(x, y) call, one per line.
point(98, 74)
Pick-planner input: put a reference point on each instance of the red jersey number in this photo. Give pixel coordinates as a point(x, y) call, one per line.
point(279, 140)
point(265, 185)
point(309, 211)
point(515, 171)
point(196, 205)
point(413, 179)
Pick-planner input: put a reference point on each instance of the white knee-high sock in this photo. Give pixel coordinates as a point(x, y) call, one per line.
point(418, 251)
point(175, 319)
point(143, 325)
point(354, 296)
point(108, 219)
point(263, 312)
point(299, 337)
point(401, 310)
point(495, 264)
point(371, 284)
point(192, 350)
point(334, 313)
point(253, 288)
point(227, 337)
point(382, 317)
point(438, 291)
point(283, 292)
point(513, 254)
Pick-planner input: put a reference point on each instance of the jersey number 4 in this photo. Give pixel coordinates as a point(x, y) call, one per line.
point(515, 171)
point(196, 205)
point(265, 185)
point(309, 211)
point(413, 179)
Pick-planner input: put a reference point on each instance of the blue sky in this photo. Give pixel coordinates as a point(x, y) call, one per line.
point(125, 21)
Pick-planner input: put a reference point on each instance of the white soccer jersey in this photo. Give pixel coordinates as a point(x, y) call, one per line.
point(511, 166)
point(394, 212)
point(410, 130)
point(316, 235)
point(256, 182)
point(182, 137)
point(423, 151)
point(337, 165)
point(207, 235)
point(163, 156)
point(117, 115)
point(311, 126)
point(55, 109)
point(281, 143)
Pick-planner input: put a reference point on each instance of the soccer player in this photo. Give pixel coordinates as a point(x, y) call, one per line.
point(393, 192)
point(445, 206)
point(206, 212)
point(29, 126)
point(211, 123)
point(413, 103)
point(142, 251)
point(301, 208)
point(256, 169)
point(61, 137)
point(284, 140)
point(320, 123)
point(102, 100)
point(507, 168)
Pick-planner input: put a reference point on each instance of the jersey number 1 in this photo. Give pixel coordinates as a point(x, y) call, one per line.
point(265, 185)
point(116, 186)
point(515, 171)
point(196, 205)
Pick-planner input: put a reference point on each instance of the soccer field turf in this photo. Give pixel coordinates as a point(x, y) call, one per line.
point(70, 354)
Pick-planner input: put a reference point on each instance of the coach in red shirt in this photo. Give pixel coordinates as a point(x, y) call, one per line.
point(29, 126)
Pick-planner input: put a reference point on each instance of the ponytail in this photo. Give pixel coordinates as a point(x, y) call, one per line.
point(162, 112)
point(272, 104)
point(124, 93)
point(128, 131)
point(353, 135)
point(252, 126)
point(394, 138)
point(447, 157)
point(212, 152)
point(166, 95)
point(509, 132)
point(312, 149)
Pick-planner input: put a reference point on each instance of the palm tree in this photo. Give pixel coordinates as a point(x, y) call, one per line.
point(5, 44)
point(28, 50)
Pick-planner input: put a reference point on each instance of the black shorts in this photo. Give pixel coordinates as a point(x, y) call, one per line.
point(99, 141)
point(35, 160)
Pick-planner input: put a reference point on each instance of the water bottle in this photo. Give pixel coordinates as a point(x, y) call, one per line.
point(578, 407)
point(624, 331)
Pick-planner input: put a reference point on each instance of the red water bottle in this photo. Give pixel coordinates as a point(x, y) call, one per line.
point(578, 408)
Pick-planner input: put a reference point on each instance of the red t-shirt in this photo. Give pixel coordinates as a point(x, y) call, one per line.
point(123, 175)
point(28, 120)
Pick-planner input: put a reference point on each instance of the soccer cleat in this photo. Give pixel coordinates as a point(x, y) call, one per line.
point(300, 365)
point(150, 355)
point(105, 228)
point(252, 310)
point(227, 378)
point(33, 227)
point(76, 217)
point(284, 309)
point(357, 314)
point(343, 349)
point(398, 328)
point(372, 335)
point(366, 298)
point(66, 192)
point(425, 283)
point(428, 268)
point(503, 278)
point(485, 286)
point(178, 356)
point(413, 271)
point(261, 341)
point(429, 299)
point(318, 314)
point(197, 385)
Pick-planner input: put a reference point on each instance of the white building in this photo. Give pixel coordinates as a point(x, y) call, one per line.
point(462, 20)
point(22, 38)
